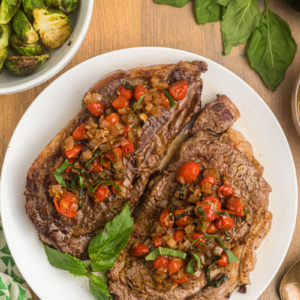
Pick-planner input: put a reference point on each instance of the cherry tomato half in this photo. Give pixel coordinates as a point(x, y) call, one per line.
point(225, 191)
point(212, 228)
point(182, 222)
point(175, 279)
point(113, 118)
point(126, 129)
point(178, 235)
point(74, 152)
point(66, 205)
point(164, 218)
point(116, 156)
point(106, 164)
point(164, 100)
point(120, 102)
point(96, 108)
point(139, 249)
point(209, 179)
point(178, 89)
point(175, 264)
point(96, 166)
point(127, 94)
point(157, 241)
point(80, 132)
point(160, 262)
point(236, 206)
point(223, 262)
point(128, 148)
point(197, 236)
point(225, 223)
point(139, 91)
point(214, 202)
point(114, 190)
point(101, 193)
point(210, 214)
point(188, 172)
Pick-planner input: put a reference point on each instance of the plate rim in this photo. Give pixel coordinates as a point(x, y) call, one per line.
point(209, 61)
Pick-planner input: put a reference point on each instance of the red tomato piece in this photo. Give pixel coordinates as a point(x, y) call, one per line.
point(139, 249)
point(127, 94)
point(161, 262)
point(210, 213)
point(197, 236)
point(214, 202)
point(74, 152)
point(139, 91)
point(223, 262)
point(114, 190)
point(101, 193)
point(182, 222)
point(225, 223)
point(128, 148)
point(80, 132)
point(106, 164)
point(126, 129)
point(96, 166)
point(69, 168)
point(157, 241)
point(164, 100)
point(175, 279)
point(188, 172)
point(236, 206)
point(96, 108)
point(225, 191)
point(212, 228)
point(164, 218)
point(178, 235)
point(209, 179)
point(113, 118)
point(178, 89)
point(120, 102)
point(66, 205)
point(175, 264)
point(116, 156)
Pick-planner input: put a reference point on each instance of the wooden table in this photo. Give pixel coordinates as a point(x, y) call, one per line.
point(121, 24)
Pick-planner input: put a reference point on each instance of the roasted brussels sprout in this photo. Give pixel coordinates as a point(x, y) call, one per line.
point(66, 6)
point(29, 5)
point(3, 55)
point(24, 48)
point(24, 65)
point(7, 10)
point(53, 26)
point(5, 31)
point(24, 29)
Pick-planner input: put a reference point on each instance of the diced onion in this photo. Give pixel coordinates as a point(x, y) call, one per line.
point(171, 231)
point(196, 274)
point(143, 117)
point(55, 189)
point(69, 143)
point(163, 203)
point(172, 243)
point(218, 251)
point(92, 97)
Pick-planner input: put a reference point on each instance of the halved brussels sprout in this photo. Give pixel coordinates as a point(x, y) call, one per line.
point(24, 65)
point(3, 55)
point(7, 10)
point(5, 31)
point(53, 26)
point(66, 6)
point(29, 5)
point(24, 48)
point(24, 29)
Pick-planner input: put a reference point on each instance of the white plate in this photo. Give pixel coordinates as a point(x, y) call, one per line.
point(10, 83)
point(61, 101)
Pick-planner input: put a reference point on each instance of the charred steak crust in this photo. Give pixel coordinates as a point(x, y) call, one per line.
point(73, 235)
point(213, 144)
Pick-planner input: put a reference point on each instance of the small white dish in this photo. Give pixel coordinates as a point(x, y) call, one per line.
point(61, 101)
point(10, 83)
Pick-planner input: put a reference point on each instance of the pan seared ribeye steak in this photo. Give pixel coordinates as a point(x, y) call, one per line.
point(113, 139)
point(224, 196)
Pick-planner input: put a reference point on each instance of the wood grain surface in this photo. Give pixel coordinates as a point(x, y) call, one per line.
point(122, 24)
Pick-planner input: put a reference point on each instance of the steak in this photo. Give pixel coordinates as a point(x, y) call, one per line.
point(212, 144)
point(72, 235)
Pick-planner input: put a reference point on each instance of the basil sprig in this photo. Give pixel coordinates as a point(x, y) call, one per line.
point(58, 176)
point(191, 265)
point(217, 281)
point(103, 249)
point(171, 100)
point(93, 189)
point(165, 251)
point(98, 154)
point(75, 179)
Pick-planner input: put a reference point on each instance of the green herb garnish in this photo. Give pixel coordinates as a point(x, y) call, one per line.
point(171, 100)
point(93, 189)
point(217, 281)
point(58, 176)
point(187, 212)
point(172, 203)
point(165, 251)
point(225, 213)
point(201, 212)
point(181, 195)
point(191, 265)
point(75, 180)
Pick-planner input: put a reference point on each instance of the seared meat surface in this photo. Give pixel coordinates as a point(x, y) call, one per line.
point(72, 235)
point(212, 144)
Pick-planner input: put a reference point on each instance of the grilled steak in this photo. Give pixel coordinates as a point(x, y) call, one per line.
point(151, 140)
point(212, 144)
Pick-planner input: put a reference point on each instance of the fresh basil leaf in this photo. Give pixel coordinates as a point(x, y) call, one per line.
point(181, 195)
point(165, 251)
point(170, 98)
point(207, 11)
point(74, 181)
point(65, 261)
point(175, 3)
point(217, 281)
point(98, 288)
point(271, 49)
point(225, 213)
point(191, 266)
point(202, 213)
point(224, 2)
point(187, 212)
point(238, 23)
point(93, 189)
point(103, 265)
point(58, 176)
point(110, 241)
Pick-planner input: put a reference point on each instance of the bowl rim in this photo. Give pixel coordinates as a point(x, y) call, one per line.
point(62, 63)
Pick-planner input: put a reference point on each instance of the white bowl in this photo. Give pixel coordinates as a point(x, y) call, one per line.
point(10, 83)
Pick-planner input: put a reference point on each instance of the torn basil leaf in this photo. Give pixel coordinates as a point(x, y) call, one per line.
point(170, 98)
point(93, 189)
point(191, 265)
point(58, 176)
point(165, 251)
point(216, 282)
point(207, 11)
